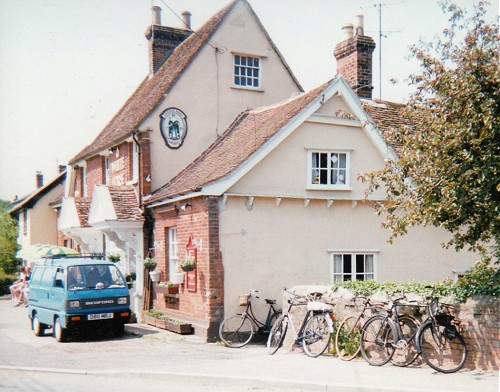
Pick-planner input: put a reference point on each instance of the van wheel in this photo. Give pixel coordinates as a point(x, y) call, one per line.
point(37, 326)
point(119, 330)
point(59, 332)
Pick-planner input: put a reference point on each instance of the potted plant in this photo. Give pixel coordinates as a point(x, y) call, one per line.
point(187, 265)
point(114, 257)
point(150, 263)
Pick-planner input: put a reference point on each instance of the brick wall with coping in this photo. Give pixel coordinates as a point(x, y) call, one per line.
point(479, 326)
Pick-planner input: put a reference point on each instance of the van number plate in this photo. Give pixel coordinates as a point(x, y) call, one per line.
point(100, 316)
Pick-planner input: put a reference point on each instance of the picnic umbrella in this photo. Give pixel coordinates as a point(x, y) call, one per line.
point(53, 250)
point(30, 251)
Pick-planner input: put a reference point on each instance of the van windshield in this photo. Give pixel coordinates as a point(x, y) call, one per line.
point(95, 276)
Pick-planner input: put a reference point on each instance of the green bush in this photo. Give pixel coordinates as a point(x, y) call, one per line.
point(481, 279)
point(5, 281)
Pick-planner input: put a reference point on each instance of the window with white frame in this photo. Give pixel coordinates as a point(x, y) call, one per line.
point(352, 266)
point(329, 169)
point(83, 178)
point(105, 165)
point(173, 250)
point(135, 162)
point(247, 71)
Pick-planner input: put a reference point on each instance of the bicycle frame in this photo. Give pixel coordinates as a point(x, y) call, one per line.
point(262, 327)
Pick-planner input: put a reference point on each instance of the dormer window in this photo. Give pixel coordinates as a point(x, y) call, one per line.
point(247, 71)
point(329, 170)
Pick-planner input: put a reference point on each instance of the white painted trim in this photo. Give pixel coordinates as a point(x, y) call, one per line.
point(331, 120)
point(352, 250)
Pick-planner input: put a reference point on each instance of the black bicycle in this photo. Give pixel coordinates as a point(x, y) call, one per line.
point(237, 331)
point(390, 337)
point(316, 328)
point(439, 341)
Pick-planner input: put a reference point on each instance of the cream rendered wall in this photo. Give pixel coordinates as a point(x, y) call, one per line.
point(42, 218)
point(284, 172)
point(267, 247)
point(205, 93)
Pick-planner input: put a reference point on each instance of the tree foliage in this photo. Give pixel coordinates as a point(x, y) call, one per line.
point(8, 235)
point(448, 173)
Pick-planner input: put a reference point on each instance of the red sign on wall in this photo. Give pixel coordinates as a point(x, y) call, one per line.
point(191, 276)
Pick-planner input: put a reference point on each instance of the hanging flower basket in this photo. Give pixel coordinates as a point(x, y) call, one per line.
point(150, 263)
point(187, 265)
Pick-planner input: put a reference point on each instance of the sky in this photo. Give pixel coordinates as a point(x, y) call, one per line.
point(67, 66)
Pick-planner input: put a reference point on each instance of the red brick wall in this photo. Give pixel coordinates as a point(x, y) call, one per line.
point(354, 62)
point(95, 173)
point(205, 306)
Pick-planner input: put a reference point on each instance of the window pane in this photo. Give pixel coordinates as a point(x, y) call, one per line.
point(369, 264)
point(236, 80)
point(342, 177)
point(243, 61)
point(360, 277)
point(335, 160)
point(347, 264)
point(236, 70)
point(237, 60)
point(337, 264)
point(342, 160)
point(255, 62)
point(243, 81)
point(323, 160)
point(256, 73)
point(256, 82)
point(334, 177)
point(315, 160)
point(243, 71)
point(323, 177)
point(360, 263)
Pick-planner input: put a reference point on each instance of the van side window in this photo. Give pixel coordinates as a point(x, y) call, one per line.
point(59, 282)
point(48, 277)
point(36, 276)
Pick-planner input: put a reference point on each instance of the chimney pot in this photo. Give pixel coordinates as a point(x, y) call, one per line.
point(156, 15)
point(347, 31)
point(39, 179)
point(186, 19)
point(359, 26)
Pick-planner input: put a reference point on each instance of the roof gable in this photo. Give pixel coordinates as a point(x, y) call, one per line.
point(151, 91)
point(254, 134)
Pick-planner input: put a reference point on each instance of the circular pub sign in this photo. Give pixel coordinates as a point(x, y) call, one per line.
point(173, 126)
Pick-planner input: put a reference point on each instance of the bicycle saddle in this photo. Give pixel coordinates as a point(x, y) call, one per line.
point(270, 301)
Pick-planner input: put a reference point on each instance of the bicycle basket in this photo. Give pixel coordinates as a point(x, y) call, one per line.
point(444, 319)
point(244, 299)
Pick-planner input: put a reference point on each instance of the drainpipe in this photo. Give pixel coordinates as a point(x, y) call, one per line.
point(139, 268)
point(139, 156)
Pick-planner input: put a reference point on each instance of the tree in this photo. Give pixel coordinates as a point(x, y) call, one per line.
point(448, 172)
point(8, 235)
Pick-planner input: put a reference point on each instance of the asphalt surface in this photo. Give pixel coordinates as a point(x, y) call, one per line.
point(147, 352)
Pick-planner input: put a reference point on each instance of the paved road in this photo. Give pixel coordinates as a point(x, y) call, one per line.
point(149, 359)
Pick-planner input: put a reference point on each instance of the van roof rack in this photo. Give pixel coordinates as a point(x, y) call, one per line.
point(93, 256)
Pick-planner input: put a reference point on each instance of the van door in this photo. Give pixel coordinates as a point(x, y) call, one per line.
point(45, 307)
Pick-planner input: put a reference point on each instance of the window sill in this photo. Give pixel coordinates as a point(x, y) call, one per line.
point(257, 90)
point(328, 188)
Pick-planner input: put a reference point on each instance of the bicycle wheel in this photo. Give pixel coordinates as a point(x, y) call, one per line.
point(316, 335)
point(277, 334)
point(377, 340)
point(236, 331)
point(443, 348)
point(405, 351)
point(347, 338)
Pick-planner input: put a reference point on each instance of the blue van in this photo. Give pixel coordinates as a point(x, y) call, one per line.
point(74, 294)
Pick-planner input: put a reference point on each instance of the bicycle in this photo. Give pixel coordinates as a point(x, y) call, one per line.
point(347, 337)
point(390, 337)
point(315, 330)
point(237, 331)
point(439, 341)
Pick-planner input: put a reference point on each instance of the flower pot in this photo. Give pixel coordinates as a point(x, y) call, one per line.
point(188, 268)
point(177, 277)
point(154, 275)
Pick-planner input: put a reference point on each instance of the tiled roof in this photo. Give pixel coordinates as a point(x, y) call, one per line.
point(125, 202)
point(82, 205)
point(151, 91)
point(30, 200)
point(244, 137)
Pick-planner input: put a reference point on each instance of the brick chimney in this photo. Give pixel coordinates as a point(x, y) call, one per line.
point(39, 179)
point(163, 39)
point(354, 58)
